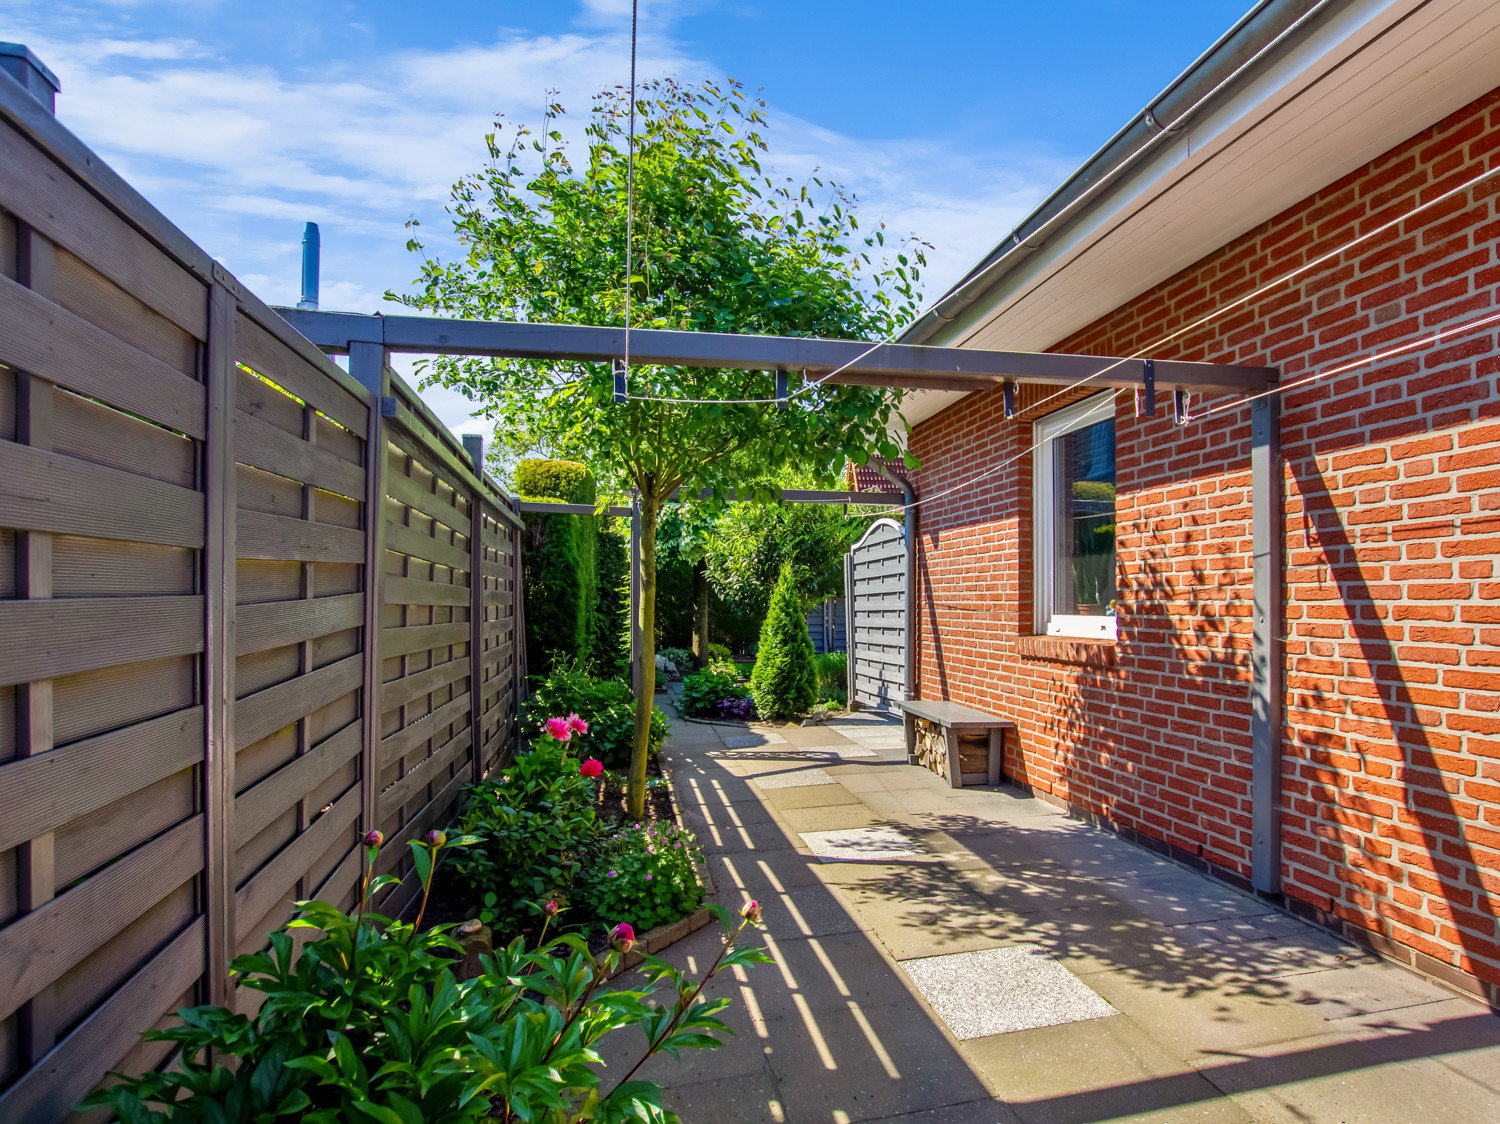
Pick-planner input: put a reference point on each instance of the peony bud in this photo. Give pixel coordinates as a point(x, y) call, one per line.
point(622, 938)
point(550, 909)
point(373, 839)
point(751, 912)
point(592, 767)
point(437, 838)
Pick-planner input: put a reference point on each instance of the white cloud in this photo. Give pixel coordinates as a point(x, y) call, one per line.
point(241, 154)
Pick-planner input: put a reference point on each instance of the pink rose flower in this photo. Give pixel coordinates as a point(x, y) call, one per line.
point(559, 729)
point(591, 767)
point(577, 725)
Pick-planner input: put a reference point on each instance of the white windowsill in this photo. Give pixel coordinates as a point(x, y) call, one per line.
point(1087, 628)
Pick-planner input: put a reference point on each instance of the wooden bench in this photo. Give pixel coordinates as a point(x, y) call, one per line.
point(961, 732)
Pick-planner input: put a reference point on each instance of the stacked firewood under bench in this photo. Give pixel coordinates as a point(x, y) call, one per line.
point(955, 741)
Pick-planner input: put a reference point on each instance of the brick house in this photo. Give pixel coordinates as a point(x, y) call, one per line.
point(1087, 571)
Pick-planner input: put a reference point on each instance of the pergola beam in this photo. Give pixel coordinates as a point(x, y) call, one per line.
point(889, 364)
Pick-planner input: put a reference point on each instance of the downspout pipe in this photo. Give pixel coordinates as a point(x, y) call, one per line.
point(1267, 26)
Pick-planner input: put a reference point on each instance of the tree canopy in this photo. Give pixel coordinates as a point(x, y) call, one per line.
point(720, 243)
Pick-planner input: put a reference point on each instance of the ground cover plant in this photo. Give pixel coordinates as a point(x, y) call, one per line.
point(647, 871)
point(367, 1022)
point(604, 704)
point(703, 692)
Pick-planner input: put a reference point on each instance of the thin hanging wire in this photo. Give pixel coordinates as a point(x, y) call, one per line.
point(630, 191)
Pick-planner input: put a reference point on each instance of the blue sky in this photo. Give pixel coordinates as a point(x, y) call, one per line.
point(242, 120)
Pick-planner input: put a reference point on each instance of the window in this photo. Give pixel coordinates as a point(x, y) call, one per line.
point(1074, 548)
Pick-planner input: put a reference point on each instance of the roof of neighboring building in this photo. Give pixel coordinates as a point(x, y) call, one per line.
point(870, 477)
point(1296, 95)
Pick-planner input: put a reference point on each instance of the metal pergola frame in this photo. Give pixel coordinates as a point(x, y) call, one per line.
point(919, 367)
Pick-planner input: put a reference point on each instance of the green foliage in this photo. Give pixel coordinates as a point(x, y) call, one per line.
point(784, 681)
point(718, 653)
point(674, 602)
point(832, 669)
point(559, 563)
point(644, 873)
point(720, 244)
point(609, 651)
point(751, 542)
point(366, 1022)
point(560, 481)
point(605, 704)
point(680, 658)
point(532, 824)
point(701, 692)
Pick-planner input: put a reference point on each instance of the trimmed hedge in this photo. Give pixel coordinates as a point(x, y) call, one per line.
point(559, 564)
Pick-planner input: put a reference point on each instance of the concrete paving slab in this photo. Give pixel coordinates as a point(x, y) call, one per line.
point(840, 752)
point(911, 927)
point(821, 796)
point(793, 778)
point(864, 844)
point(1099, 1069)
point(773, 870)
point(813, 735)
point(750, 1099)
point(825, 817)
point(751, 740)
point(999, 990)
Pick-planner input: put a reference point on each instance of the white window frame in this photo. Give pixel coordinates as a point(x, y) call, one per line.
point(1045, 432)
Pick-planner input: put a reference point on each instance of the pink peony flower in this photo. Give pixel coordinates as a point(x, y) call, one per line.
point(592, 767)
point(751, 912)
point(577, 725)
point(559, 729)
point(622, 937)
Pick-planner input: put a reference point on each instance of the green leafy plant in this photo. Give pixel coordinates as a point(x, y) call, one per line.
point(832, 669)
point(531, 826)
point(559, 572)
point(719, 653)
point(647, 870)
point(703, 691)
point(367, 1022)
point(784, 681)
point(680, 658)
point(605, 704)
point(719, 243)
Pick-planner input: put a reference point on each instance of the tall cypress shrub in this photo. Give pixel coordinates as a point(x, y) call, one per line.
point(609, 650)
point(785, 679)
point(559, 561)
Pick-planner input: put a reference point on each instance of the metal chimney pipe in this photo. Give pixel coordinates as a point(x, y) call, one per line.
point(311, 252)
point(17, 60)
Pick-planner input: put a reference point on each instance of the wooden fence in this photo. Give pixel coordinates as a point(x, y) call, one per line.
point(204, 524)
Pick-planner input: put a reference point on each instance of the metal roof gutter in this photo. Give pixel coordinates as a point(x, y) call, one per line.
point(1271, 24)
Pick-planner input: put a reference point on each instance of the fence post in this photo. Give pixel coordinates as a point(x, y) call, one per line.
point(367, 363)
point(220, 548)
point(849, 627)
point(474, 446)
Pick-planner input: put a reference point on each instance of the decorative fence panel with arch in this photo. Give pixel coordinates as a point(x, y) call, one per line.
point(204, 523)
point(876, 575)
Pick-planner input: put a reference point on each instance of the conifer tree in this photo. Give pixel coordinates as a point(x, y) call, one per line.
point(785, 679)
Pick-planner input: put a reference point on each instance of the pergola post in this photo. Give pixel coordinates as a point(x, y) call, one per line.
point(1265, 658)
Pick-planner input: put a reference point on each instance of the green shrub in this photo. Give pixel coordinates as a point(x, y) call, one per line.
point(784, 681)
point(605, 704)
point(718, 653)
point(559, 563)
point(645, 873)
point(367, 1022)
point(833, 676)
point(679, 658)
point(702, 691)
point(609, 651)
point(532, 824)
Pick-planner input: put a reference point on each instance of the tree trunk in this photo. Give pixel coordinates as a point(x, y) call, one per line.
point(646, 653)
point(700, 615)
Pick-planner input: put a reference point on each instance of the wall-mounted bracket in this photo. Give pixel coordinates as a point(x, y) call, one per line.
point(1145, 397)
point(1180, 406)
point(1009, 390)
point(622, 388)
point(781, 391)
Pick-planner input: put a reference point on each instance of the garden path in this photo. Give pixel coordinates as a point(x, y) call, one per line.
point(977, 957)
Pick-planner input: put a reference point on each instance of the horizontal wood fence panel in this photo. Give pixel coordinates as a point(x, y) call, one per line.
point(257, 807)
point(47, 639)
point(46, 339)
point(37, 190)
point(409, 540)
point(415, 591)
point(265, 446)
point(255, 898)
point(270, 624)
point(245, 616)
point(42, 491)
point(40, 946)
point(44, 792)
point(269, 710)
point(48, 1091)
point(262, 535)
point(267, 356)
point(401, 691)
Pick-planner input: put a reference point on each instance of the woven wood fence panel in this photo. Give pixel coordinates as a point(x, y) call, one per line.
point(203, 521)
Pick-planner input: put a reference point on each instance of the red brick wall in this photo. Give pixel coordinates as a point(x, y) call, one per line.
point(1392, 740)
